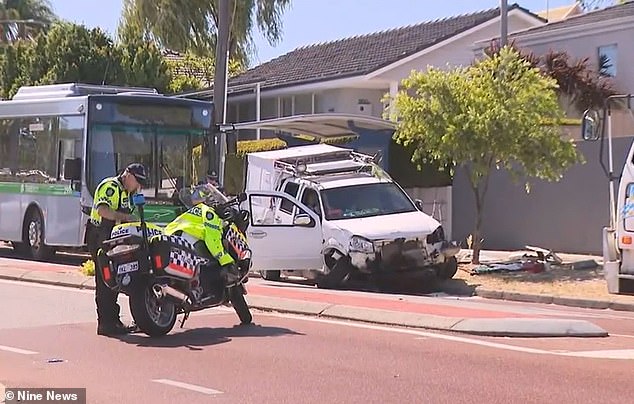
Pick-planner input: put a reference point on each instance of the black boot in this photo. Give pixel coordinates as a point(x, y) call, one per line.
point(114, 329)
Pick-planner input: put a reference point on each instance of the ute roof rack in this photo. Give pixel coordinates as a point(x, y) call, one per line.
point(345, 161)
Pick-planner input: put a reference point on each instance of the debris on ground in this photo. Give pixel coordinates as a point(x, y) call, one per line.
point(533, 260)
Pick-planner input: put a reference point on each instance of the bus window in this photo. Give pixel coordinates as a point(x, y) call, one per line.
point(71, 133)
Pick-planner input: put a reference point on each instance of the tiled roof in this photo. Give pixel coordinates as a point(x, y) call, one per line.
point(360, 55)
point(604, 14)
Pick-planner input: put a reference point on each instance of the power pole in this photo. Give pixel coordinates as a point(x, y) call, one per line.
point(220, 82)
point(504, 15)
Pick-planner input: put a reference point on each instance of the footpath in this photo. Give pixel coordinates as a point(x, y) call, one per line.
point(418, 312)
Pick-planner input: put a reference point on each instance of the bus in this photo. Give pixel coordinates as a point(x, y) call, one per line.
point(57, 142)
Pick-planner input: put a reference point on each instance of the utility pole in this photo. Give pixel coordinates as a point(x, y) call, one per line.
point(504, 16)
point(220, 82)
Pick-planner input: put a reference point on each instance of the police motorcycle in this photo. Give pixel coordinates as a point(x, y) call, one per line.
point(165, 276)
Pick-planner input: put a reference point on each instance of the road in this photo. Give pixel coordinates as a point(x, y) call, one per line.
point(48, 339)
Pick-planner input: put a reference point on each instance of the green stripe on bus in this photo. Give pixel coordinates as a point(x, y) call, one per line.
point(37, 189)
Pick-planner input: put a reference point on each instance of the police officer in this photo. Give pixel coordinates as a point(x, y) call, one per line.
point(112, 204)
point(202, 227)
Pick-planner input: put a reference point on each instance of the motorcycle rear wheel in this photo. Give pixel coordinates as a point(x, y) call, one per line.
point(239, 303)
point(152, 317)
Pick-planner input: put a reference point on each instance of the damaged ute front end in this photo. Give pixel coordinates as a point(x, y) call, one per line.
point(428, 254)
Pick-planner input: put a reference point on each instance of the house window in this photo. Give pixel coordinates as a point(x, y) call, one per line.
point(607, 60)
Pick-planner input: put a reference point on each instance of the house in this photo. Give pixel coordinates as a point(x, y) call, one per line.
point(561, 13)
point(352, 76)
point(567, 215)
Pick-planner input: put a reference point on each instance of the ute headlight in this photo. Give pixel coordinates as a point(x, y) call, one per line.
point(436, 236)
point(360, 244)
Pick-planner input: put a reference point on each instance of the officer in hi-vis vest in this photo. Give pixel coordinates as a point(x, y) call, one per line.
point(112, 205)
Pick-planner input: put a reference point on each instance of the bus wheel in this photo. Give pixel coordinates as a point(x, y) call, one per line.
point(34, 236)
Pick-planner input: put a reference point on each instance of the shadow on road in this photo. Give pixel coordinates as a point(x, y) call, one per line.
point(451, 287)
point(7, 251)
point(196, 338)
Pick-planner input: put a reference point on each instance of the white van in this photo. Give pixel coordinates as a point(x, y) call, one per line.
point(326, 213)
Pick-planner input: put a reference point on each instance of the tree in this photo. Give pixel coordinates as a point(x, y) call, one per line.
point(24, 19)
point(143, 65)
point(73, 53)
point(191, 25)
point(499, 113)
point(577, 83)
point(191, 72)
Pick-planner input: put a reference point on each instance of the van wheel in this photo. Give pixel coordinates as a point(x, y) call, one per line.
point(33, 236)
point(271, 275)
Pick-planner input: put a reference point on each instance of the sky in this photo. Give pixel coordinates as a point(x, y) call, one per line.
point(312, 21)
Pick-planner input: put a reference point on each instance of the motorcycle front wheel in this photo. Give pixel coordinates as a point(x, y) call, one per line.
point(239, 303)
point(153, 317)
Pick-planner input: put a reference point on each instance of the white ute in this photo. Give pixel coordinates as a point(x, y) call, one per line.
point(326, 213)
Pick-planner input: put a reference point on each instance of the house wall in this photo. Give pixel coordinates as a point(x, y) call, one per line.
point(352, 101)
point(587, 45)
point(567, 215)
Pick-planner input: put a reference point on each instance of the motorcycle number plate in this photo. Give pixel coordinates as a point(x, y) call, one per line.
point(128, 267)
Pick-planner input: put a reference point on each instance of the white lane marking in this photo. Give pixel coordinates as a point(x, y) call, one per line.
point(188, 386)
point(16, 350)
point(615, 354)
point(604, 354)
point(621, 335)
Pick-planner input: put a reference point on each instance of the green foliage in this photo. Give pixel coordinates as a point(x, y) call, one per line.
point(192, 72)
point(191, 25)
point(143, 65)
point(498, 113)
point(577, 82)
point(73, 53)
point(252, 146)
point(24, 19)
point(88, 268)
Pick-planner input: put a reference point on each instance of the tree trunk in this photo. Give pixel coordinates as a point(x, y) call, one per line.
point(479, 185)
point(477, 232)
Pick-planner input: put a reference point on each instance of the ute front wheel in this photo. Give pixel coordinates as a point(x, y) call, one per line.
point(153, 317)
point(448, 269)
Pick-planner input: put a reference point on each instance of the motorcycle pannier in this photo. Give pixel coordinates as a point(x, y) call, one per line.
point(175, 256)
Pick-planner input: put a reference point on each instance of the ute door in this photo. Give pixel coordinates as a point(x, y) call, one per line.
point(288, 245)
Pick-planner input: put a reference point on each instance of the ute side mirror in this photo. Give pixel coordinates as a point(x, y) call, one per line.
point(419, 204)
point(590, 125)
point(72, 169)
point(303, 220)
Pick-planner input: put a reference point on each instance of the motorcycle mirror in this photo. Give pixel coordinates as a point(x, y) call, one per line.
point(242, 197)
point(185, 196)
point(138, 199)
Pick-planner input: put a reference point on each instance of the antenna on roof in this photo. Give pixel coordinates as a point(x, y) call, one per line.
point(105, 73)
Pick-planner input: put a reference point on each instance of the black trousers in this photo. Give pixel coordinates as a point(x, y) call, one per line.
point(108, 310)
